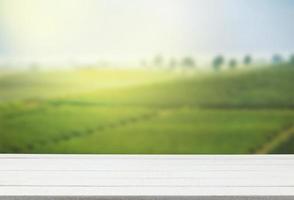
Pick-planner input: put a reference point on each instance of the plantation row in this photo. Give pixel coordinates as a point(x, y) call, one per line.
point(183, 131)
point(25, 132)
point(232, 112)
point(99, 129)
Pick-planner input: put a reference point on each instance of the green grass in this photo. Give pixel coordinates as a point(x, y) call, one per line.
point(261, 88)
point(140, 111)
point(50, 123)
point(183, 131)
point(47, 84)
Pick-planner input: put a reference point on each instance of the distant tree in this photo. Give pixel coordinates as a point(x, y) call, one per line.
point(218, 62)
point(292, 59)
point(232, 63)
point(277, 59)
point(247, 60)
point(188, 63)
point(158, 61)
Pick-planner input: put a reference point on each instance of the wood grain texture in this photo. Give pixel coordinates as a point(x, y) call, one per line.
point(146, 177)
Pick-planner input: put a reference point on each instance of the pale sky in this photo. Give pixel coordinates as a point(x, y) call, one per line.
point(135, 29)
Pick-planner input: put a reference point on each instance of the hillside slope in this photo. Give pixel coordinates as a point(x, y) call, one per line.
point(223, 112)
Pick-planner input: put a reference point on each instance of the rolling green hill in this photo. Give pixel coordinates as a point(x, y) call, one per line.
point(140, 111)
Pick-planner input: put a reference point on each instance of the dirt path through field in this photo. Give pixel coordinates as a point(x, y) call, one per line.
point(280, 138)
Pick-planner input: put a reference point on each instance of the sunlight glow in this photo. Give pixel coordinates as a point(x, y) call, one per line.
point(90, 28)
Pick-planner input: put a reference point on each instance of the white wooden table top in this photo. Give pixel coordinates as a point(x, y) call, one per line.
point(146, 175)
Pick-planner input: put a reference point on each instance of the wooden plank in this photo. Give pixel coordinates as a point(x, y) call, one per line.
point(147, 176)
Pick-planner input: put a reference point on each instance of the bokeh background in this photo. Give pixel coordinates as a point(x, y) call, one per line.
point(147, 76)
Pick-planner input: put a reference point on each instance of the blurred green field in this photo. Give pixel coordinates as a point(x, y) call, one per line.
point(141, 111)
